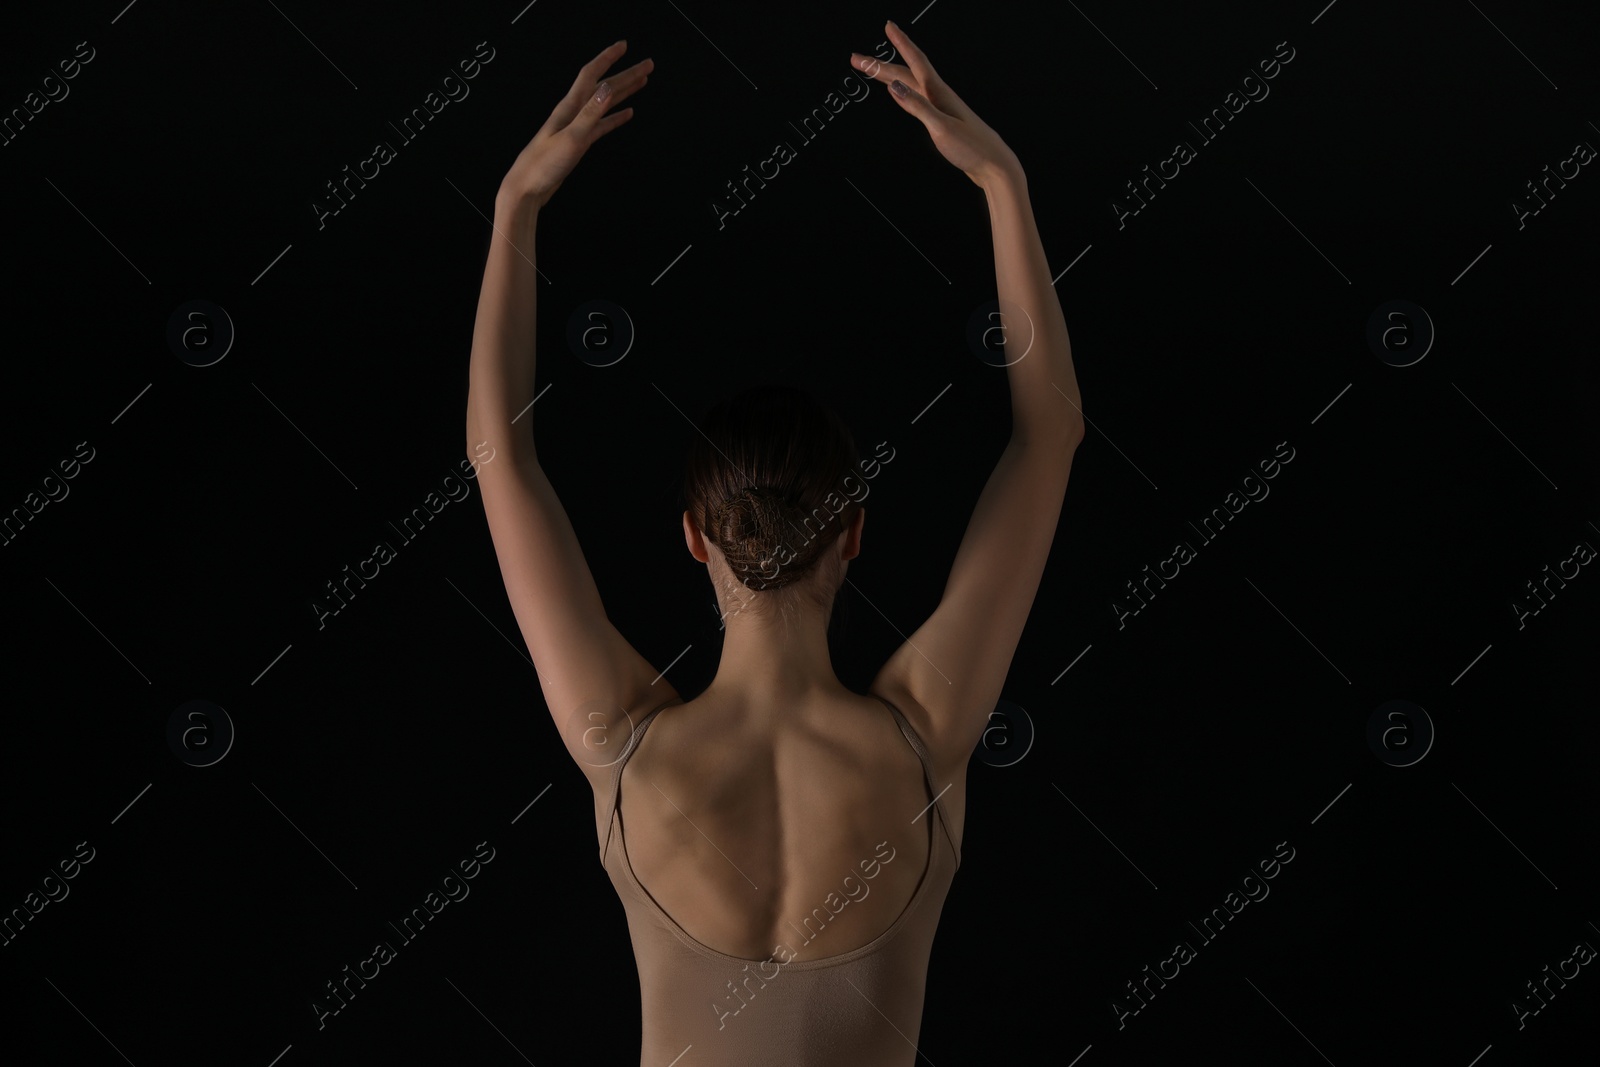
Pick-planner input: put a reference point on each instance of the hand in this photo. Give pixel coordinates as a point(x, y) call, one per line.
point(577, 122)
point(958, 134)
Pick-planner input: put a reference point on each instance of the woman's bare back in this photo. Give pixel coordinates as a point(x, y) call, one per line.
point(742, 824)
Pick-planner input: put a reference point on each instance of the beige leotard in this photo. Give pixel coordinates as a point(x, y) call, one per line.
point(704, 1008)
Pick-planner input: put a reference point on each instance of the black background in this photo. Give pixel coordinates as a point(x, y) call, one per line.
point(1226, 317)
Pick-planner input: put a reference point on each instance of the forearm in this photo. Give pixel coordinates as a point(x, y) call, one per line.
point(1045, 404)
point(501, 377)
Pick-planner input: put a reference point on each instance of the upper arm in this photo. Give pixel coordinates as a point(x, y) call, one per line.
point(589, 673)
point(955, 664)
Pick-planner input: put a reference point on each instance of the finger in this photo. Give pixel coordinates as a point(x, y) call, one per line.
point(644, 66)
point(585, 112)
point(583, 86)
point(914, 102)
point(608, 95)
point(914, 56)
point(943, 97)
point(609, 123)
point(591, 71)
point(878, 70)
point(624, 83)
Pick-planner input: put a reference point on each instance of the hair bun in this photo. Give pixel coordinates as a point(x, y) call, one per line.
point(751, 526)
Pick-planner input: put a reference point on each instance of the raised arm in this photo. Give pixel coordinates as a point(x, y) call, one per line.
point(954, 665)
point(583, 663)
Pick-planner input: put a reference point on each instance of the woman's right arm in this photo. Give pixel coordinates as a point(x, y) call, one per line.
point(955, 665)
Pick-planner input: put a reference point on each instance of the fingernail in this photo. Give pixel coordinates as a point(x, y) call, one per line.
point(603, 91)
point(899, 88)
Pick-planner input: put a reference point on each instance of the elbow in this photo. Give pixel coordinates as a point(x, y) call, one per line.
point(1066, 447)
point(1064, 436)
point(485, 444)
point(1064, 444)
point(479, 448)
point(1056, 441)
point(480, 437)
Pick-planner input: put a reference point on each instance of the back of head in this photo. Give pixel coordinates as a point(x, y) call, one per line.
point(768, 482)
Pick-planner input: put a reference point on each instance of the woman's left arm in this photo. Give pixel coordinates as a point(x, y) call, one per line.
point(584, 664)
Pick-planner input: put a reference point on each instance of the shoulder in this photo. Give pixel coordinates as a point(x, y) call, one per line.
point(941, 747)
point(604, 737)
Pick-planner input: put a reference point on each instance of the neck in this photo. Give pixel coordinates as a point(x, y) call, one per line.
point(768, 660)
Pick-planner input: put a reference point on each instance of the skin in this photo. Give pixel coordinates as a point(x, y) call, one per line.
point(767, 657)
point(790, 773)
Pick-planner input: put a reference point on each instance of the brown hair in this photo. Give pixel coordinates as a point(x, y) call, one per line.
point(764, 482)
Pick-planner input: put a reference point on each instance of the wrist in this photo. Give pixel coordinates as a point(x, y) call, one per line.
point(1004, 177)
point(517, 203)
